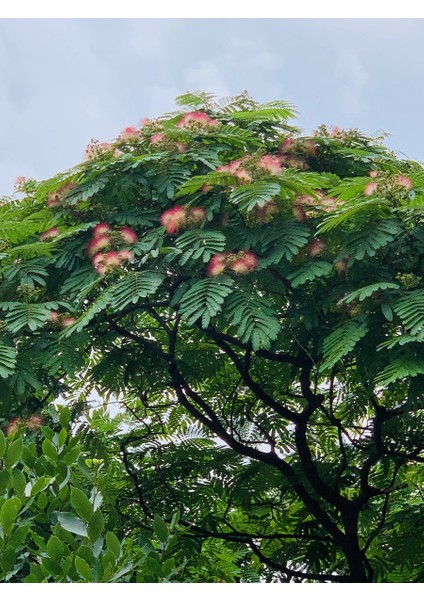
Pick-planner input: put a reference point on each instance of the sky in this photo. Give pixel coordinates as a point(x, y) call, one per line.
point(65, 81)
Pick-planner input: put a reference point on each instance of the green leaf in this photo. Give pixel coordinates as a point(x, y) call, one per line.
point(8, 513)
point(341, 342)
point(410, 309)
point(254, 317)
point(83, 569)
point(204, 299)
point(13, 453)
point(113, 544)
point(310, 271)
point(3, 444)
point(7, 360)
point(199, 244)
point(50, 450)
point(81, 504)
point(367, 291)
point(71, 523)
point(400, 368)
point(160, 528)
point(96, 525)
point(55, 548)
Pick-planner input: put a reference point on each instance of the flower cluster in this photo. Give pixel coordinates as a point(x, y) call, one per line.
point(236, 168)
point(399, 181)
point(32, 423)
point(262, 214)
point(241, 263)
point(104, 238)
point(61, 320)
point(308, 206)
point(179, 217)
point(50, 234)
point(271, 164)
point(95, 149)
point(197, 120)
point(54, 199)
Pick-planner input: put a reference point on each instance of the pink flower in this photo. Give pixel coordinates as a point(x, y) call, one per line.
point(335, 131)
point(181, 147)
point(129, 134)
point(316, 247)
point(13, 426)
point(404, 182)
point(217, 264)
point(271, 164)
point(68, 321)
point(112, 259)
point(341, 265)
point(99, 263)
point(299, 213)
point(173, 219)
point(126, 255)
point(373, 174)
point(244, 263)
point(20, 180)
point(54, 316)
point(235, 168)
point(53, 199)
point(157, 138)
point(206, 187)
point(50, 234)
point(34, 422)
point(196, 118)
point(100, 229)
point(197, 214)
point(287, 145)
point(98, 243)
point(370, 188)
point(144, 122)
point(128, 235)
point(264, 214)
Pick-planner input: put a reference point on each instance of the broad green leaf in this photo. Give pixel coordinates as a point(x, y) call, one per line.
point(72, 523)
point(81, 504)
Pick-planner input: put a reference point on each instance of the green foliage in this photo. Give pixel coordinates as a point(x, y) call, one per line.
point(231, 316)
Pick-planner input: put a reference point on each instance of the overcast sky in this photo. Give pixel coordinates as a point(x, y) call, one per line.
point(63, 82)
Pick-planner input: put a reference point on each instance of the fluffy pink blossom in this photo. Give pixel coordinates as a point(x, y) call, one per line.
point(404, 182)
point(206, 187)
point(53, 199)
point(126, 255)
point(264, 214)
point(68, 321)
point(129, 134)
point(244, 263)
point(112, 259)
point(98, 243)
point(100, 229)
point(173, 219)
point(299, 213)
point(316, 247)
point(235, 168)
point(217, 264)
point(144, 122)
point(13, 426)
point(181, 147)
point(99, 263)
point(197, 214)
point(370, 188)
point(128, 235)
point(157, 138)
point(34, 422)
point(195, 118)
point(335, 131)
point(373, 173)
point(287, 145)
point(50, 234)
point(20, 180)
point(271, 164)
point(54, 316)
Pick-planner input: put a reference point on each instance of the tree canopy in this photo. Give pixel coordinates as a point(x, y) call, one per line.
point(212, 356)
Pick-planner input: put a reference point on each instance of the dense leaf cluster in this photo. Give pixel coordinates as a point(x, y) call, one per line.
point(253, 301)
